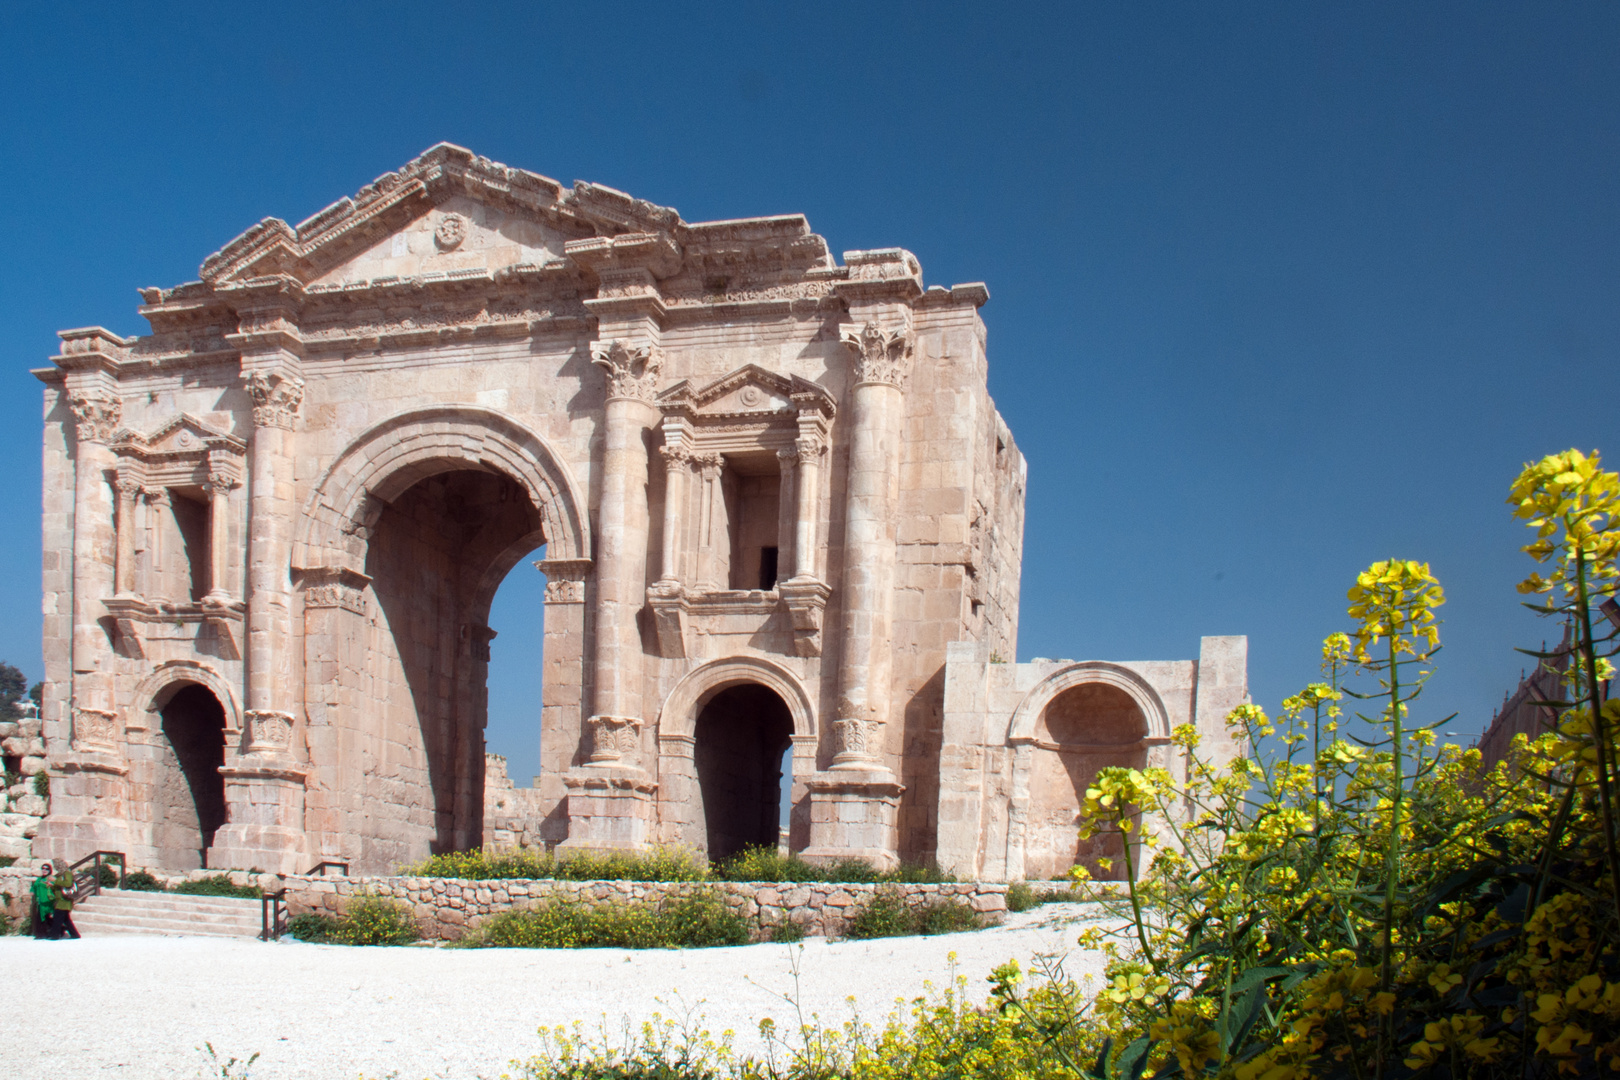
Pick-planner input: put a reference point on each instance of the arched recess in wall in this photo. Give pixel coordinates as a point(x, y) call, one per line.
point(154, 692)
point(686, 793)
point(399, 549)
point(391, 457)
point(1079, 719)
point(678, 717)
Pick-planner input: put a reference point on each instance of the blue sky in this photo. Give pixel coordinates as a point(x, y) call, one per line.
point(1276, 289)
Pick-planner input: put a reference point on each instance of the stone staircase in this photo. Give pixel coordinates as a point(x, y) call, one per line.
point(119, 912)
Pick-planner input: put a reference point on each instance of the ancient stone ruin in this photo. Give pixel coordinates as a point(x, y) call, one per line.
point(779, 518)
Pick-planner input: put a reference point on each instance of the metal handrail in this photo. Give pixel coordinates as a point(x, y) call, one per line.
point(87, 882)
point(272, 915)
point(320, 867)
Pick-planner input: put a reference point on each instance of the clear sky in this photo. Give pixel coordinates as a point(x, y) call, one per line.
point(1277, 290)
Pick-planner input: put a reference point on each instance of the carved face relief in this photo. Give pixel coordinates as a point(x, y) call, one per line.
point(451, 232)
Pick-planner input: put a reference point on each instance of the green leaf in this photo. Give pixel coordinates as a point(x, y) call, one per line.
point(1256, 977)
point(1133, 1059)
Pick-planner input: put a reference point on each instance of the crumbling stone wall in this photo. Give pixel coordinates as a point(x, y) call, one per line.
point(22, 808)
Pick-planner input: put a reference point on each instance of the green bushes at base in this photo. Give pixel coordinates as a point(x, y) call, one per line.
point(659, 864)
point(217, 885)
point(367, 920)
point(665, 864)
point(1022, 896)
point(888, 915)
point(697, 921)
point(141, 881)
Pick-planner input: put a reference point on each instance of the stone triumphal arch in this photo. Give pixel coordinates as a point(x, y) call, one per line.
point(781, 524)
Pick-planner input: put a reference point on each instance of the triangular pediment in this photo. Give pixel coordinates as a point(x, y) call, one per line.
point(448, 212)
point(182, 434)
point(749, 389)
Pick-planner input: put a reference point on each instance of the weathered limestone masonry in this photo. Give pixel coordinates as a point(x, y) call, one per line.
point(446, 909)
point(779, 518)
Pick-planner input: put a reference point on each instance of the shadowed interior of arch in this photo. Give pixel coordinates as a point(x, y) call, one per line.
point(1082, 730)
point(435, 556)
point(189, 792)
point(741, 741)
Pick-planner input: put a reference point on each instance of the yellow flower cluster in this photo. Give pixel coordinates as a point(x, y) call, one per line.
point(1396, 600)
point(1573, 505)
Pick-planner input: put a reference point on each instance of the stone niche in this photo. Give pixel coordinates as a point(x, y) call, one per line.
point(779, 518)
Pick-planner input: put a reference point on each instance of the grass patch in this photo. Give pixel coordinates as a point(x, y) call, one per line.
point(687, 922)
point(1022, 896)
point(787, 932)
point(888, 915)
point(7, 860)
point(664, 864)
point(368, 920)
point(217, 885)
point(659, 864)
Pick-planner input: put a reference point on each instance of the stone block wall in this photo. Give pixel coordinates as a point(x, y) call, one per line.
point(446, 908)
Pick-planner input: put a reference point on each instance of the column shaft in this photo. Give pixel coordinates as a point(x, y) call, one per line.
point(219, 533)
point(804, 534)
point(124, 576)
point(676, 461)
point(622, 561)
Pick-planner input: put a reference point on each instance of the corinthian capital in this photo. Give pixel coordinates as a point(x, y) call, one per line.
point(880, 356)
point(98, 415)
point(276, 398)
point(632, 370)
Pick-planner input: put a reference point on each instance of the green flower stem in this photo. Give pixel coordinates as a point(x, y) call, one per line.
point(1588, 653)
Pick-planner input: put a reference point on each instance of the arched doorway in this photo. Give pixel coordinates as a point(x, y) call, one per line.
point(436, 554)
point(188, 798)
point(1082, 730)
point(741, 740)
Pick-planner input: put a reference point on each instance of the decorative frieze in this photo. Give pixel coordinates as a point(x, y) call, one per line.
point(95, 730)
point(614, 739)
point(881, 356)
point(632, 370)
point(335, 594)
point(268, 732)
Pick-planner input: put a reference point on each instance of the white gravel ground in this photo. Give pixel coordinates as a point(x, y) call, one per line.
point(137, 1007)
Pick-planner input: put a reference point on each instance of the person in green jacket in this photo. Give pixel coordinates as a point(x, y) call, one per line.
point(62, 891)
point(44, 903)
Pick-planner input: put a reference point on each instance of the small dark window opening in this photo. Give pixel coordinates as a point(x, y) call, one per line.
point(12, 765)
point(767, 568)
point(191, 516)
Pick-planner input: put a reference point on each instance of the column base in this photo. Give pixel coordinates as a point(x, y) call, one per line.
point(855, 814)
point(610, 808)
point(265, 807)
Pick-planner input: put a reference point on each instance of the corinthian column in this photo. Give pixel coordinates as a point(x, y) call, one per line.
point(264, 785)
point(881, 361)
point(854, 806)
point(609, 797)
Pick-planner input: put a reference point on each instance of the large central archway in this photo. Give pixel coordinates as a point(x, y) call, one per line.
point(426, 513)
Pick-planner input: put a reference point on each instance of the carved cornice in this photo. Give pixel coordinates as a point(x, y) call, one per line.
point(881, 356)
point(98, 415)
point(276, 398)
point(565, 579)
point(632, 370)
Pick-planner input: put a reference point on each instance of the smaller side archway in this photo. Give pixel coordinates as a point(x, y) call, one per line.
point(702, 708)
point(1077, 721)
point(192, 723)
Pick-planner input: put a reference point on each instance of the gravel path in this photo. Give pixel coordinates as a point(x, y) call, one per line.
point(140, 1007)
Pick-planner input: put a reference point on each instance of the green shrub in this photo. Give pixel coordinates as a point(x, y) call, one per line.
point(700, 920)
point(218, 885)
point(7, 860)
point(141, 881)
point(787, 932)
point(658, 864)
point(42, 785)
point(888, 915)
point(1022, 896)
point(312, 926)
point(768, 864)
point(107, 875)
point(373, 920)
